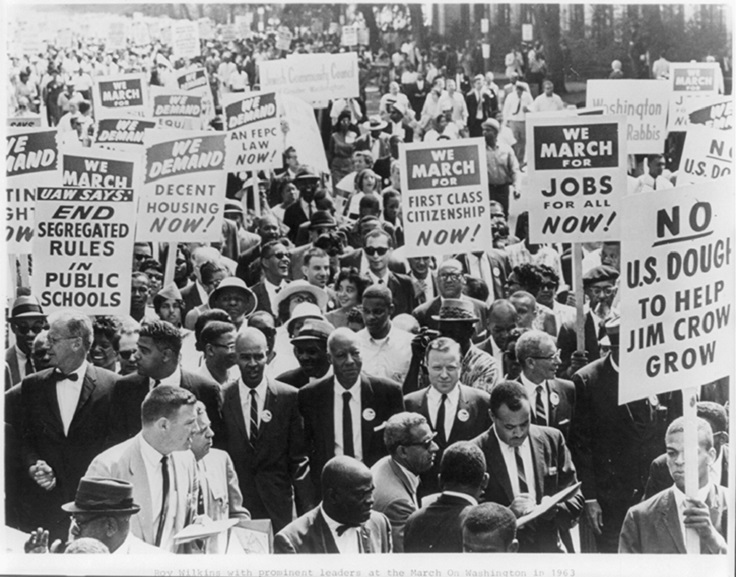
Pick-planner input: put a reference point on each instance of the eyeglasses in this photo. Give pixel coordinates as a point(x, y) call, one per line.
point(376, 250)
point(279, 255)
point(81, 524)
point(450, 275)
point(54, 340)
point(555, 356)
point(608, 291)
point(549, 285)
point(426, 443)
point(25, 329)
point(126, 354)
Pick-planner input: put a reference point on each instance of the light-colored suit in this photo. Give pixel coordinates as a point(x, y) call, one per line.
point(125, 461)
point(394, 497)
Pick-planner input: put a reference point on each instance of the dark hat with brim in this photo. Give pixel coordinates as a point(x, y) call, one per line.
point(25, 307)
point(102, 495)
point(322, 219)
point(456, 310)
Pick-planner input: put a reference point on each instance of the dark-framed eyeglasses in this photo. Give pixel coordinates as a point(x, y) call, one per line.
point(376, 250)
point(25, 329)
point(555, 356)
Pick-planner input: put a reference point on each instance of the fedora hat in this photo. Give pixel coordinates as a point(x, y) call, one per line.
point(26, 306)
point(313, 330)
point(375, 122)
point(322, 219)
point(102, 495)
point(233, 282)
point(456, 310)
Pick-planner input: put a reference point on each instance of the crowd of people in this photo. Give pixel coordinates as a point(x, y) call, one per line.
point(303, 370)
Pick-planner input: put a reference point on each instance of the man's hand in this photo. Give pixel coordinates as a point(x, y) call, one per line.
point(594, 515)
point(697, 516)
point(522, 504)
point(43, 475)
point(578, 360)
point(38, 542)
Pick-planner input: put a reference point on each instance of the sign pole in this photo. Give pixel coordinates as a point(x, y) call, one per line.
point(577, 282)
point(689, 410)
point(170, 269)
point(25, 279)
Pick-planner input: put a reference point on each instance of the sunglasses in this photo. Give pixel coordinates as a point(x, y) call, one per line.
point(126, 354)
point(279, 255)
point(25, 329)
point(549, 285)
point(376, 250)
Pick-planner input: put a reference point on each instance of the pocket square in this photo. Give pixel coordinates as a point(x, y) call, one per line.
point(552, 471)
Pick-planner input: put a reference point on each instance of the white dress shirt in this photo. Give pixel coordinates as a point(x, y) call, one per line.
point(245, 401)
point(389, 357)
point(22, 359)
point(510, 459)
point(349, 541)
point(434, 397)
point(154, 472)
point(469, 498)
point(375, 278)
point(272, 290)
point(67, 393)
point(173, 380)
point(355, 413)
point(203, 296)
point(531, 390)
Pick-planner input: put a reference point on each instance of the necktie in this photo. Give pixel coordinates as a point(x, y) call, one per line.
point(200, 499)
point(523, 487)
point(518, 107)
point(253, 418)
point(29, 367)
point(654, 184)
point(164, 499)
point(59, 376)
point(479, 110)
point(440, 425)
point(347, 426)
point(539, 407)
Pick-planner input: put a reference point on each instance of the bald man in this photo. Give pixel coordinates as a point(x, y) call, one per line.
point(265, 436)
point(344, 522)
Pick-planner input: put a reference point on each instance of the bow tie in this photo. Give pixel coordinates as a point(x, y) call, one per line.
point(342, 528)
point(57, 375)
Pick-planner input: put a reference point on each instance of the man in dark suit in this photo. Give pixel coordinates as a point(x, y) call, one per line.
point(63, 420)
point(275, 262)
point(526, 463)
point(310, 350)
point(437, 528)
point(481, 104)
point(491, 266)
point(344, 522)
point(456, 412)
point(613, 445)
point(656, 525)
point(26, 321)
point(249, 268)
point(301, 211)
point(265, 437)
point(157, 358)
point(659, 473)
point(552, 400)
point(343, 414)
point(377, 248)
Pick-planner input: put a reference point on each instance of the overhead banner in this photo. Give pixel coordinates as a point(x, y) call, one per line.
point(176, 109)
point(122, 94)
point(690, 83)
point(677, 291)
point(85, 228)
point(254, 137)
point(184, 187)
point(706, 155)
point(643, 102)
point(312, 77)
point(445, 197)
point(577, 177)
point(185, 39)
point(713, 112)
point(124, 134)
point(300, 129)
point(196, 81)
point(30, 162)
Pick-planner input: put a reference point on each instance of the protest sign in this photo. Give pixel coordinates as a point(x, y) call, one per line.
point(677, 290)
point(229, 32)
point(24, 122)
point(445, 197)
point(577, 176)
point(176, 109)
point(206, 28)
point(690, 83)
point(283, 38)
point(254, 137)
point(707, 154)
point(139, 33)
point(120, 94)
point(242, 26)
point(349, 36)
point(184, 186)
point(644, 102)
point(117, 35)
point(527, 33)
point(364, 36)
point(301, 128)
point(84, 234)
point(185, 39)
point(714, 112)
point(123, 133)
point(31, 161)
point(312, 77)
point(196, 81)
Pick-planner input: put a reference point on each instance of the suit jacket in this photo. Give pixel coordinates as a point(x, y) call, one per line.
point(263, 302)
point(310, 534)
point(366, 141)
point(296, 378)
point(489, 106)
point(560, 413)
point(567, 343)
point(660, 478)
point(249, 265)
point(653, 526)
point(12, 371)
point(293, 216)
point(553, 471)
point(437, 528)
point(69, 455)
point(402, 291)
point(500, 268)
point(316, 404)
point(190, 296)
point(125, 462)
point(424, 313)
point(394, 497)
point(471, 419)
point(278, 463)
point(223, 497)
point(128, 395)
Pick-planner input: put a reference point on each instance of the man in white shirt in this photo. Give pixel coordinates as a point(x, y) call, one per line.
point(548, 101)
point(515, 107)
point(653, 179)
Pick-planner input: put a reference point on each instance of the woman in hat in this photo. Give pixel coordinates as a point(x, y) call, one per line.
point(341, 146)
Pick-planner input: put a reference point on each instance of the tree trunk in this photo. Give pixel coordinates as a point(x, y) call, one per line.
point(548, 19)
point(419, 33)
point(370, 22)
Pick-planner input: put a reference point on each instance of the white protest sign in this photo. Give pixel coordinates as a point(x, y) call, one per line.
point(123, 133)
point(283, 38)
point(120, 94)
point(140, 33)
point(312, 77)
point(176, 109)
point(24, 122)
point(577, 177)
point(206, 28)
point(444, 197)
point(229, 32)
point(644, 102)
point(527, 33)
point(714, 112)
point(364, 36)
point(707, 154)
point(84, 234)
point(677, 290)
point(185, 39)
point(196, 81)
point(301, 129)
point(242, 26)
point(30, 162)
point(349, 35)
point(254, 138)
point(117, 35)
point(691, 82)
point(184, 187)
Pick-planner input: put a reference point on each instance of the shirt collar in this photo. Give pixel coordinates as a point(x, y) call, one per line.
point(376, 278)
point(151, 455)
point(260, 389)
point(173, 380)
point(328, 374)
point(453, 396)
point(529, 385)
point(354, 388)
point(80, 371)
point(506, 447)
point(469, 498)
point(331, 523)
point(21, 355)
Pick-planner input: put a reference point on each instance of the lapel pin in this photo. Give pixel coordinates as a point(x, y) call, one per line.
point(463, 415)
point(369, 414)
point(266, 416)
point(554, 399)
